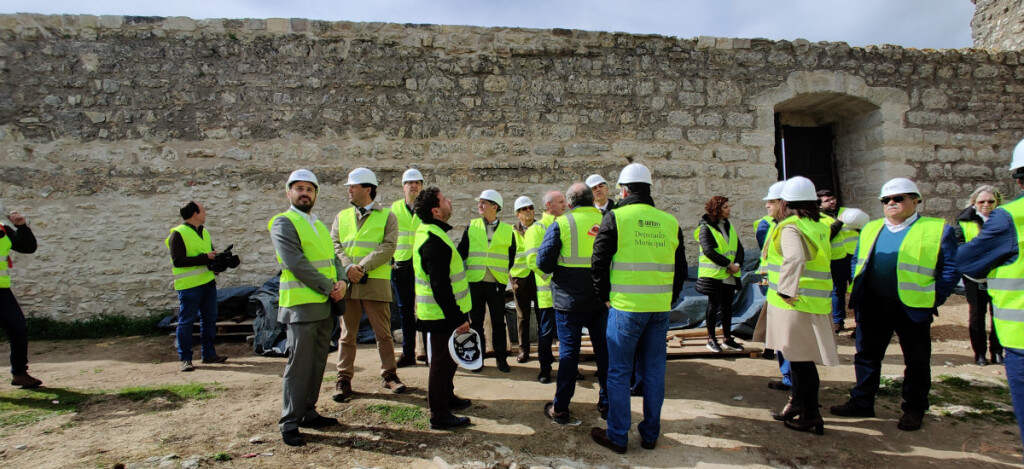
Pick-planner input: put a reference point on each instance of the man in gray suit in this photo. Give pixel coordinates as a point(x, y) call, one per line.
point(310, 276)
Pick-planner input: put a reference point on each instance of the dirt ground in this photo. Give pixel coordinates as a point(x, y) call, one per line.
point(715, 414)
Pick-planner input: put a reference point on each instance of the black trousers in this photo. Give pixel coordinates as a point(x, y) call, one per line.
point(979, 307)
point(441, 377)
point(12, 321)
point(804, 391)
point(489, 296)
point(720, 302)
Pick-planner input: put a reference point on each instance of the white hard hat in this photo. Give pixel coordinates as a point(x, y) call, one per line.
point(361, 176)
point(899, 186)
point(1018, 156)
point(465, 350)
point(854, 218)
point(594, 180)
point(412, 174)
point(302, 175)
point(523, 201)
point(798, 189)
point(493, 196)
point(635, 172)
point(775, 191)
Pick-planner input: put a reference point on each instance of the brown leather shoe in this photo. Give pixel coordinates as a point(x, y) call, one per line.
point(343, 388)
point(392, 382)
point(24, 381)
point(600, 436)
point(405, 360)
point(523, 357)
point(910, 421)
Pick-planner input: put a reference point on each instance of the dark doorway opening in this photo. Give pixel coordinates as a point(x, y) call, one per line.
point(807, 152)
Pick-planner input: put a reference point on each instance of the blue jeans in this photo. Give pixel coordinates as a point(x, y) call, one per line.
point(628, 334)
point(784, 368)
point(545, 336)
point(1013, 360)
point(840, 279)
point(402, 283)
point(570, 330)
point(197, 301)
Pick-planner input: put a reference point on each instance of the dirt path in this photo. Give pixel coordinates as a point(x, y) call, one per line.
point(715, 414)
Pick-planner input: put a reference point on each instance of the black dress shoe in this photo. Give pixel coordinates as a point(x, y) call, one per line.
point(997, 359)
point(580, 377)
point(910, 421)
point(600, 436)
point(459, 403)
point(544, 377)
point(293, 437)
point(319, 422)
point(807, 423)
point(404, 361)
point(449, 423)
point(215, 359)
point(779, 385)
point(787, 412)
point(523, 357)
point(503, 366)
point(603, 410)
point(849, 409)
point(981, 361)
point(648, 444)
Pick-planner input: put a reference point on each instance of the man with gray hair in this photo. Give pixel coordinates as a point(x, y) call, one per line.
point(554, 206)
point(565, 253)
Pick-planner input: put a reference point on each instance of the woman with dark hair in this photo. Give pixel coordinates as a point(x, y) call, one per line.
point(718, 277)
point(799, 321)
point(983, 201)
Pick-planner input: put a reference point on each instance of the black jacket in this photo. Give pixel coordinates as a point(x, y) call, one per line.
point(606, 244)
point(22, 239)
point(436, 258)
point(572, 288)
point(969, 214)
point(708, 285)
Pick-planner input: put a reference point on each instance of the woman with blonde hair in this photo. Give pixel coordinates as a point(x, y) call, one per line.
point(983, 201)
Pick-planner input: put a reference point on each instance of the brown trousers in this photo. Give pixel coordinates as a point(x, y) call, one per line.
point(524, 291)
point(379, 314)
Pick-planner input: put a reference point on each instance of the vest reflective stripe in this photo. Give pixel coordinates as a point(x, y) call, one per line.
point(838, 250)
point(707, 268)
point(318, 249)
point(519, 267)
point(577, 247)
point(426, 306)
point(5, 250)
point(849, 237)
point(407, 224)
point(359, 244)
point(190, 277)
point(488, 256)
point(915, 262)
point(814, 288)
point(970, 228)
point(1006, 287)
point(534, 237)
point(647, 238)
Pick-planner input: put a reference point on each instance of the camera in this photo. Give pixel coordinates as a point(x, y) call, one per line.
point(224, 260)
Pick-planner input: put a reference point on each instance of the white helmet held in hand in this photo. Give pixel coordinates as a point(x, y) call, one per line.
point(899, 186)
point(493, 196)
point(635, 172)
point(412, 174)
point(854, 218)
point(523, 201)
point(466, 350)
point(799, 189)
point(302, 175)
point(775, 191)
point(361, 176)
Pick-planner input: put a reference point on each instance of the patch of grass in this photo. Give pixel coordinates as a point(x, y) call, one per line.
point(330, 378)
point(94, 328)
point(401, 414)
point(890, 387)
point(171, 392)
point(222, 456)
point(26, 406)
point(988, 401)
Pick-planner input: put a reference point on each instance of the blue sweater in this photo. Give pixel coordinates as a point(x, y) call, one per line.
point(995, 245)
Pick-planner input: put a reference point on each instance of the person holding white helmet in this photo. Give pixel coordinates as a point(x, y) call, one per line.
point(904, 269)
point(762, 231)
point(17, 238)
point(489, 248)
point(599, 187)
point(365, 236)
point(442, 304)
point(524, 286)
point(554, 206)
point(402, 279)
point(310, 276)
point(830, 211)
point(996, 254)
point(983, 201)
point(797, 319)
point(638, 267)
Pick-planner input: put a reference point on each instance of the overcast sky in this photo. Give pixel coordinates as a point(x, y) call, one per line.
point(910, 23)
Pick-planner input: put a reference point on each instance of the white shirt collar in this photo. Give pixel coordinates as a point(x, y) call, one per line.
point(893, 228)
point(309, 217)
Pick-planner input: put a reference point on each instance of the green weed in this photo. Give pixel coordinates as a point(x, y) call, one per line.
point(171, 392)
point(32, 405)
point(400, 414)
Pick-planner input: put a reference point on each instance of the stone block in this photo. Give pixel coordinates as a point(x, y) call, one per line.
point(971, 171)
point(701, 136)
point(547, 150)
point(705, 42)
point(110, 21)
point(180, 23)
point(278, 25)
point(624, 148)
point(669, 133)
point(729, 154)
point(237, 154)
point(586, 149)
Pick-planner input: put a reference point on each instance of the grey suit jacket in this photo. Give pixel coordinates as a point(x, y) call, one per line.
point(289, 248)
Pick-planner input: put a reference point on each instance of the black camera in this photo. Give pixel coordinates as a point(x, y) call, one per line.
point(225, 260)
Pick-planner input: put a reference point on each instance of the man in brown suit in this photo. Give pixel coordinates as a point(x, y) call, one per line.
point(365, 237)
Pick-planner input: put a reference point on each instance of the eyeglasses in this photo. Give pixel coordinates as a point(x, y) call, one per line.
point(985, 202)
point(896, 198)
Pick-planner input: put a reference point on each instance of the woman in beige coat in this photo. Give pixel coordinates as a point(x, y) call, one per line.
point(797, 319)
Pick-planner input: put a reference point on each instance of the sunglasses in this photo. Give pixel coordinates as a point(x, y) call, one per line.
point(896, 198)
point(528, 207)
point(985, 202)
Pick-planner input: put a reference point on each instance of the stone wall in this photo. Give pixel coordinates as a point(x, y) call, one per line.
point(108, 124)
point(998, 24)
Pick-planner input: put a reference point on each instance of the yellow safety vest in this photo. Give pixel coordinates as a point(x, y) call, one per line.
point(318, 249)
point(484, 256)
point(534, 238)
point(407, 224)
point(915, 262)
point(1006, 287)
point(191, 277)
point(814, 288)
point(359, 244)
point(838, 250)
point(519, 267)
point(706, 267)
point(427, 308)
point(577, 231)
point(643, 267)
point(5, 250)
point(970, 228)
